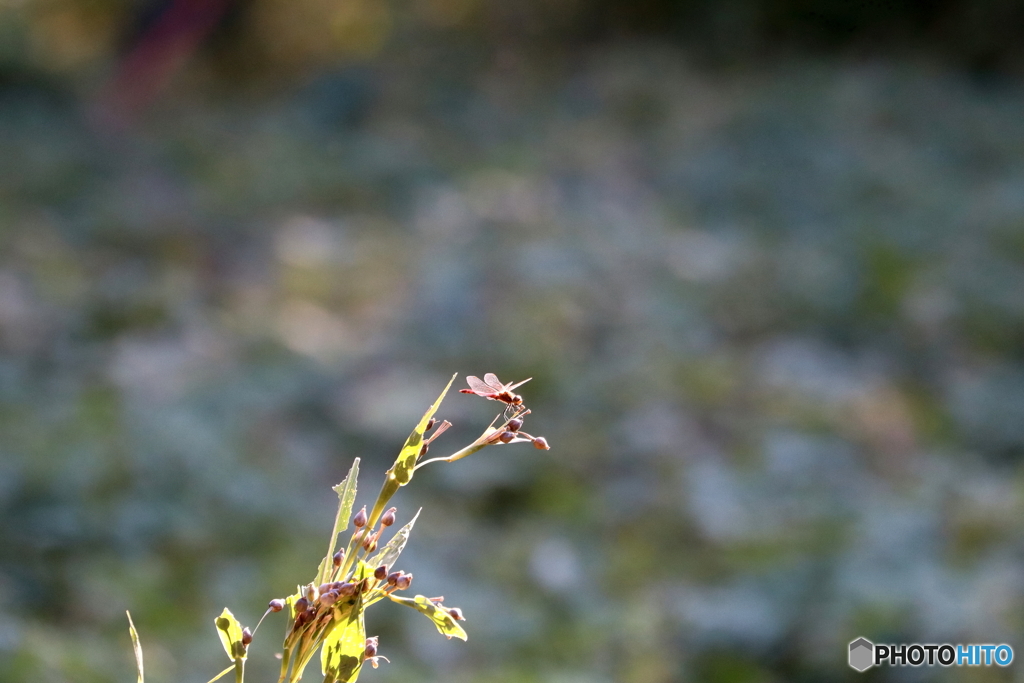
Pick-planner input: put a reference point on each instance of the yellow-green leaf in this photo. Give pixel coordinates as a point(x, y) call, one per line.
point(230, 632)
point(442, 620)
point(136, 645)
point(400, 473)
point(346, 491)
point(344, 644)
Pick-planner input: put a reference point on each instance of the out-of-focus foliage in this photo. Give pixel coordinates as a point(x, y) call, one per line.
point(772, 311)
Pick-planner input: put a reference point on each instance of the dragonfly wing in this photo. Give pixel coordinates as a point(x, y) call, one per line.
point(478, 386)
point(513, 386)
point(493, 382)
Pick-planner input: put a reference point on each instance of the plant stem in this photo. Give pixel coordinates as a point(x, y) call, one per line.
point(458, 455)
point(285, 660)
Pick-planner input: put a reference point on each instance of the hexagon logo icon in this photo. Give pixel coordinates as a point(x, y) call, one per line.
point(862, 654)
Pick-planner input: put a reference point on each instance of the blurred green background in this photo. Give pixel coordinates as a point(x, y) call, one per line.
point(764, 260)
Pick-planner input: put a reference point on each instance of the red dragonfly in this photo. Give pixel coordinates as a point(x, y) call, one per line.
point(490, 387)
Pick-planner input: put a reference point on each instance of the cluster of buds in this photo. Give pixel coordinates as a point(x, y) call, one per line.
point(315, 602)
point(367, 538)
point(512, 432)
point(398, 581)
point(315, 606)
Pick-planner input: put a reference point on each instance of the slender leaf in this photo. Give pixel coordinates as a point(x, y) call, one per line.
point(230, 632)
point(390, 552)
point(401, 472)
point(442, 620)
point(136, 645)
point(346, 491)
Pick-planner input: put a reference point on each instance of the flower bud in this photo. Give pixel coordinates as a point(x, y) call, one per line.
point(246, 636)
point(506, 437)
point(324, 587)
point(328, 599)
point(541, 443)
point(369, 544)
point(301, 604)
point(360, 519)
point(311, 593)
point(423, 450)
point(371, 647)
point(276, 605)
point(388, 518)
point(456, 614)
point(338, 557)
point(403, 581)
point(393, 578)
point(381, 572)
point(364, 585)
point(515, 424)
point(430, 424)
point(347, 589)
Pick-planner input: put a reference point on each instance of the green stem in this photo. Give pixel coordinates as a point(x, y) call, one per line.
point(285, 661)
point(239, 670)
point(458, 455)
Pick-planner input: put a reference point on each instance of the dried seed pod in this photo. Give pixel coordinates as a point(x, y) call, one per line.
point(276, 605)
point(359, 521)
point(506, 437)
point(246, 636)
point(393, 578)
point(456, 614)
point(403, 581)
point(381, 572)
point(515, 424)
point(388, 518)
point(541, 443)
point(338, 557)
